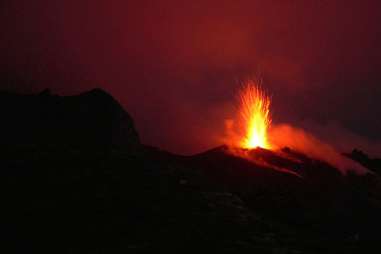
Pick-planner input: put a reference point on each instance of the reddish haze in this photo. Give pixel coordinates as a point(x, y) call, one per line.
point(175, 66)
point(284, 135)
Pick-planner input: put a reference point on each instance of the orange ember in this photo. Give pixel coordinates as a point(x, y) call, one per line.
point(255, 119)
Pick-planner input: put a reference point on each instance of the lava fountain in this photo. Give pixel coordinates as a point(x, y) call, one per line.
point(251, 129)
point(254, 117)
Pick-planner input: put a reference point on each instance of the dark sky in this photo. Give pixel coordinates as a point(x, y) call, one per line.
point(175, 65)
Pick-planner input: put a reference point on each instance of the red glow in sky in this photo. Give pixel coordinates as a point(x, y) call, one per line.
point(174, 65)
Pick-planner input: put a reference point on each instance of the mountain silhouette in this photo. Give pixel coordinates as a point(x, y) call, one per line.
point(93, 119)
point(76, 179)
point(373, 164)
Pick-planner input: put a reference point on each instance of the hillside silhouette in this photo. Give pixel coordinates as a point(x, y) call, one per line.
point(76, 179)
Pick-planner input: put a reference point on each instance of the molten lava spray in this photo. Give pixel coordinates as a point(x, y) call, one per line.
point(250, 129)
point(254, 113)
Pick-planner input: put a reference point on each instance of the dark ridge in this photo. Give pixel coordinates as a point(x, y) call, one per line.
point(373, 164)
point(117, 201)
point(92, 119)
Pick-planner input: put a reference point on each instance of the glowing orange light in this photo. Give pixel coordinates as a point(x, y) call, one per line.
point(255, 116)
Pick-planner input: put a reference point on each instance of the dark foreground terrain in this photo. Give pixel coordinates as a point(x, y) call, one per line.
point(75, 179)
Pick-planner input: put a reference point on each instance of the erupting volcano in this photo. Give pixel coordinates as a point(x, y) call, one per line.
point(262, 184)
point(254, 117)
point(252, 136)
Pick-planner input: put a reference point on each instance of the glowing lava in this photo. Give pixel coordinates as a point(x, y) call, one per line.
point(254, 115)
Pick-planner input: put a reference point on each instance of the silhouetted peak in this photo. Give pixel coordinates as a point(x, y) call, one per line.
point(359, 154)
point(97, 92)
point(373, 164)
point(91, 119)
point(45, 92)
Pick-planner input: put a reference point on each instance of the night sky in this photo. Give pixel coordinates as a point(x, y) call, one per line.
point(176, 65)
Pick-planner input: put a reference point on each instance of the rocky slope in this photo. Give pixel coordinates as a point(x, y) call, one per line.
point(124, 197)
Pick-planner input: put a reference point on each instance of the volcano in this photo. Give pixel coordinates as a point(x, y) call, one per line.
point(77, 179)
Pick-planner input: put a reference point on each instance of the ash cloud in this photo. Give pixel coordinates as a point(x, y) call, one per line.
point(174, 65)
point(285, 135)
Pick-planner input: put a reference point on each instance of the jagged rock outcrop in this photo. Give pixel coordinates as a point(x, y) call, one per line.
point(373, 164)
point(92, 119)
